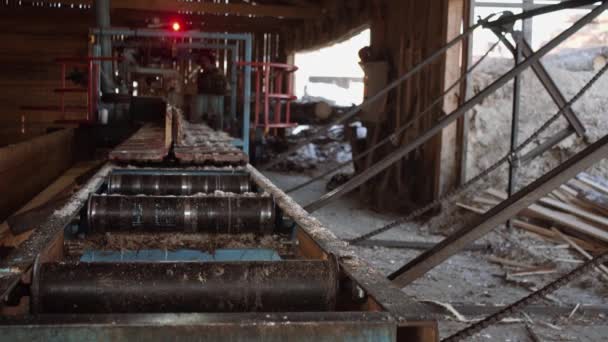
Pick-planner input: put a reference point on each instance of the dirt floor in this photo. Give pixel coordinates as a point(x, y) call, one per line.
point(468, 279)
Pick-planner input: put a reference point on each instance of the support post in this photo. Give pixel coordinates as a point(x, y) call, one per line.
point(102, 13)
point(515, 118)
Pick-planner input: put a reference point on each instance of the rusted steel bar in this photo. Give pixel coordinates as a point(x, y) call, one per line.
point(210, 214)
point(282, 286)
point(178, 185)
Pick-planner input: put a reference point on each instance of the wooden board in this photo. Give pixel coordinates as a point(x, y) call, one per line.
point(62, 183)
point(569, 221)
point(28, 167)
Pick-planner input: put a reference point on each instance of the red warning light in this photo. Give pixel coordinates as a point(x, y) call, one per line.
point(176, 26)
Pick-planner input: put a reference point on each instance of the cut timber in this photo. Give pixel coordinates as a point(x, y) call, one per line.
point(546, 233)
point(56, 188)
point(599, 187)
point(532, 228)
point(569, 221)
point(28, 167)
point(601, 268)
point(507, 262)
point(533, 271)
point(575, 211)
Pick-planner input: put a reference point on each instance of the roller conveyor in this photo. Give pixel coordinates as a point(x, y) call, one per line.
point(286, 286)
point(177, 184)
point(210, 214)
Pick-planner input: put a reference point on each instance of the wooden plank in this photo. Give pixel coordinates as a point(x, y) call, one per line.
point(575, 211)
point(60, 185)
point(28, 167)
point(566, 220)
point(601, 268)
point(594, 185)
point(535, 229)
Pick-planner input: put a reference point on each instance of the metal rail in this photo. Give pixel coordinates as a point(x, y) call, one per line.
point(500, 213)
point(455, 115)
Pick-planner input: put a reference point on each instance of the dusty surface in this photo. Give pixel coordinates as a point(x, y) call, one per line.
point(468, 278)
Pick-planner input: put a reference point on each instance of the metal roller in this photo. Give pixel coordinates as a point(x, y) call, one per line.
point(177, 184)
point(283, 286)
point(208, 214)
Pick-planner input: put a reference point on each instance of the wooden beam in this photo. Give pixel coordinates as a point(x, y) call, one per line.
point(282, 11)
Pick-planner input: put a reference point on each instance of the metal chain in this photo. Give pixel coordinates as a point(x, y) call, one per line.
point(520, 304)
point(401, 130)
point(461, 189)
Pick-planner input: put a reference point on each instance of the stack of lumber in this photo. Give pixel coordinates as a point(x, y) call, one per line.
point(575, 214)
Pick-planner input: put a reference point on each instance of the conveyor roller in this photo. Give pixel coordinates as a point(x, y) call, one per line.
point(283, 286)
point(207, 214)
point(177, 184)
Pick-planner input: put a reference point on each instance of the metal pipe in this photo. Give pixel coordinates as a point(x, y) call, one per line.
point(500, 213)
point(517, 56)
point(102, 14)
point(218, 287)
point(177, 185)
point(210, 214)
point(449, 119)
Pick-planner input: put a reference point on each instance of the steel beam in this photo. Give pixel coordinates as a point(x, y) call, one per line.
point(452, 117)
point(549, 84)
point(547, 144)
point(500, 213)
point(373, 99)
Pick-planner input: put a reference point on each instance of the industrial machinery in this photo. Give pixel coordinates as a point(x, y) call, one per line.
point(186, 240)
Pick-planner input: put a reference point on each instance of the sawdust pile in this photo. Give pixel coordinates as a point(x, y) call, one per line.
point(490, 121)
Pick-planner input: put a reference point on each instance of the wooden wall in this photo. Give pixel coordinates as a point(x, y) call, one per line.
point(32, 38)
point(28, 167)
